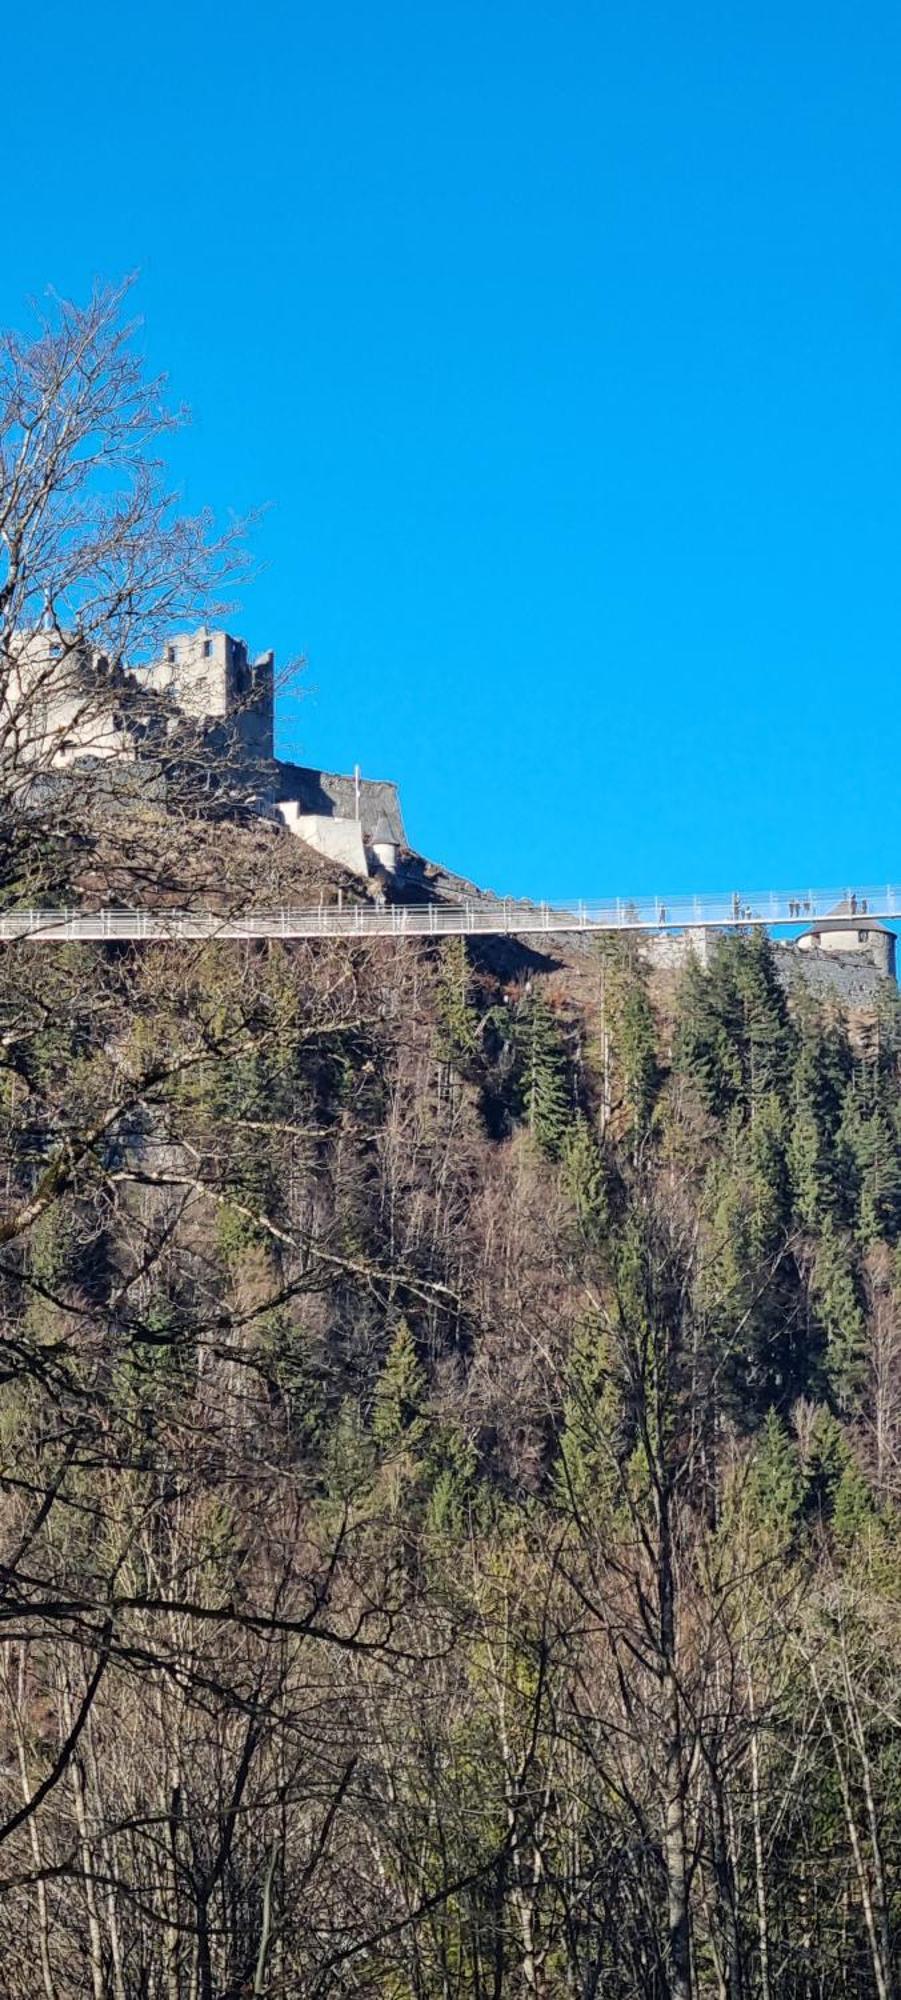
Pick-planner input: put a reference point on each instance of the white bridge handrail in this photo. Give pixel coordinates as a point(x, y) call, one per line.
point(479, 915)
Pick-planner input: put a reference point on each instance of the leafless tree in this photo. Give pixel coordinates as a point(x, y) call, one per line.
point(97, 563)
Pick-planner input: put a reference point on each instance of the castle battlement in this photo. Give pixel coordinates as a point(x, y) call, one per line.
point(62, 704)
point(212, 678)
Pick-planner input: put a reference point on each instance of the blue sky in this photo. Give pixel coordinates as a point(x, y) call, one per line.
point(565, 343)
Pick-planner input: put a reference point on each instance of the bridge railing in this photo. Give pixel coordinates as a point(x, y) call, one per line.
point(773, 909)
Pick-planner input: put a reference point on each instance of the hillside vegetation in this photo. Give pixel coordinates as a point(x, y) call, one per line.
point(146, 857)
point(449, 1469)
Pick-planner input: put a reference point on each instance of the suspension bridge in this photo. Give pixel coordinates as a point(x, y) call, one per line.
point(480, 915)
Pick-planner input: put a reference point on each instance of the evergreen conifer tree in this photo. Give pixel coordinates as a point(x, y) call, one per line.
point(458, 1022)
point(820, 1075)
point(591, 1440)
point(585, 1180)
point(854, 1509)
point(837, 1490)
point(398, 1420)
point(839, 1304)
point(776, 1486)
point(748, 1282)
point(629, 1028)
point(452, 1471)
point(733, 1034)
point(767, 1177)
point(870, 1133)
point(703, 1047)
point(636, 1047)
point(768, 1036)
point(870, 1145)
point(348, 1455)
point(544, 1075)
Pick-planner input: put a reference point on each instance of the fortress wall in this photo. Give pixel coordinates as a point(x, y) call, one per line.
point(339, 840)
point(848, 976)
point(211, 677)
point(329, 794)
point(670, 950)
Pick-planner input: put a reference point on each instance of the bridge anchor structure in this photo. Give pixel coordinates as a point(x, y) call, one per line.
point(480, 916)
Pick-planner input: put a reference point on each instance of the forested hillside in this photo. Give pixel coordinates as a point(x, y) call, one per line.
point(449, 1478)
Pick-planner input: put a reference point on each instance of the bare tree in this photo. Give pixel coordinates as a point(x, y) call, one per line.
point(97, 561)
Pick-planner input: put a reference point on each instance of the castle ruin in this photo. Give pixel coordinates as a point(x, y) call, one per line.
point(63, 706)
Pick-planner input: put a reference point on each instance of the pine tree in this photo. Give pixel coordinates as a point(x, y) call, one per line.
point(820, 1075)
point(630, 1029)
point(776, 1485)
point(839, 1304)
point(348, 1455)
point(870, 1131)
point(704, 1049)
point(636, 1048)
point(870, 1143)
point(733, 1033)
point(591, 1440)
point(398, 1422)
point(748, 1284)
point(452, 1470)
point(544, 1075)
point(854, 1509)
point(836, 1488)
point(768, 1034)
point(585, 1180)
point(457, 1036)
point(767, 1177)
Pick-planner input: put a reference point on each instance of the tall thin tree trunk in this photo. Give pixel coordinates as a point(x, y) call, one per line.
point(259, 1977)
point(112, 1912)
point(882, 1974)
point(880, 1898)
point(204, 1959)
point(674, 1840)
point(95, 1935)
point(763, 1925)
point(33, 1835)
point(725, 1882)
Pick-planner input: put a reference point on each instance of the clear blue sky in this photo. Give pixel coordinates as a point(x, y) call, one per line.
point(565, 341)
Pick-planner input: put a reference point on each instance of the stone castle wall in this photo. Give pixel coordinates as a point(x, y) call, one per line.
point(331, 795)
point(61, 703)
